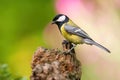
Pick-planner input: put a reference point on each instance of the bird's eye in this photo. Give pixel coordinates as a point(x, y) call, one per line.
point(61, 18)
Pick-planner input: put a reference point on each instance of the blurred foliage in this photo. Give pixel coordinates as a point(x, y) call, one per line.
point(20, 19)
point(5, 74)
point(22, 23)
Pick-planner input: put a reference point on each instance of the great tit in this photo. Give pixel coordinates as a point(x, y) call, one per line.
point(74, 33)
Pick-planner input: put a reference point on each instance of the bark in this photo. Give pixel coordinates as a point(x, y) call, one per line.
point(53, 64)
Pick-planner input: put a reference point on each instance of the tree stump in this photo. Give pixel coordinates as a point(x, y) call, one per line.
point(53, 64)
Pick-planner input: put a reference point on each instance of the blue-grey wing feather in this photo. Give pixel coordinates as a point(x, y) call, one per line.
point(77, 31)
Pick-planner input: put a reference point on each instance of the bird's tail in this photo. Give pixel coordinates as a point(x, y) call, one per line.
point(91, 42)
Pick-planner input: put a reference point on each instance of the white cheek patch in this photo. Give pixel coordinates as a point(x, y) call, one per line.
point(62, 18)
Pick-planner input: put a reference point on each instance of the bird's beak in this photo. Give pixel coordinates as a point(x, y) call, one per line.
point(53, 22)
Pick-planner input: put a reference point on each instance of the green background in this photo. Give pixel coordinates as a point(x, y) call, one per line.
point(21, 26)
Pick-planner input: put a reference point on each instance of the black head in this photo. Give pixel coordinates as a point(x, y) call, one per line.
point(60, 19)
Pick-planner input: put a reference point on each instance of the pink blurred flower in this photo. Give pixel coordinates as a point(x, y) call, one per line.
point(76, 8)
point(69, 7)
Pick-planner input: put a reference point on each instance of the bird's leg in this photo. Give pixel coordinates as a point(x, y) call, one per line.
point(68, 47)
point(71, 48)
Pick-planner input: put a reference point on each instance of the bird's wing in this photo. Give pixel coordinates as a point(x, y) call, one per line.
point(77, 31)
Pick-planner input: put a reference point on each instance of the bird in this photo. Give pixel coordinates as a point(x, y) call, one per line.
point(73, 33)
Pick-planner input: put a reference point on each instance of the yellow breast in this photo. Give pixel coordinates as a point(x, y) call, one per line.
point(71, 37)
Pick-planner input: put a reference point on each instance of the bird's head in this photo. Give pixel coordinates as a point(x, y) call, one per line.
point(60, 19)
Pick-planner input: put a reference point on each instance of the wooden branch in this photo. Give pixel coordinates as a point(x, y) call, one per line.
point(55, 64)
